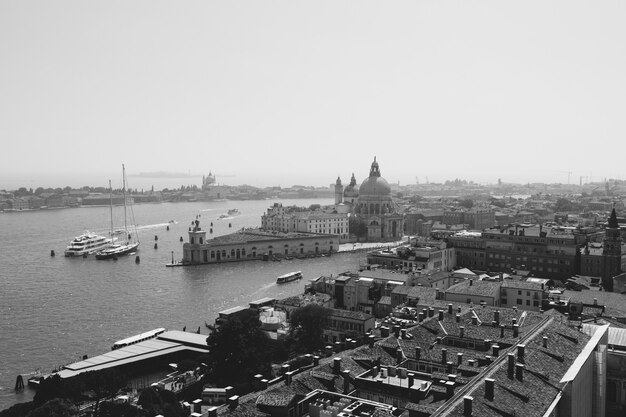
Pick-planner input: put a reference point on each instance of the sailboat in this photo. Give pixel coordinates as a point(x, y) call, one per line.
point(128, 243)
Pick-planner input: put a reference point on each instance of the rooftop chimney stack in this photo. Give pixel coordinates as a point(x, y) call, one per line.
point(515, 330)
point(449, 308)
point(520, 353)
point(462, 331)
point(346, 381)
point(459, 359)
point(233, 402)
point(496, 316)
point(440, 315)
point(474, 320)
point(511, 367)
point(370, 340)
point(519, 372)
point(545, 342)
point(458, 318)
point(496, 350)
point(489, 388)
point(444, 355)
point(418, 353)
point(336, 366)
point(467, 405)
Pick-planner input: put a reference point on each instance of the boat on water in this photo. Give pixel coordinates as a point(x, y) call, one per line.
point(137, 338)
point(87, 244)
point(292, 276)
point(129, 242)
point(233, 212)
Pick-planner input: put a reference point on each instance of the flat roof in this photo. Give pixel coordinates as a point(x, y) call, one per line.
point(176, 341)
point(232, 310)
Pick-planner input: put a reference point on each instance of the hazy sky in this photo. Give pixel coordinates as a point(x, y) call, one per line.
point(286, 92)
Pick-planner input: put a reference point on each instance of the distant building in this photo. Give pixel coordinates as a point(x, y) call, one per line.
point(372, 206)
point(288, 219)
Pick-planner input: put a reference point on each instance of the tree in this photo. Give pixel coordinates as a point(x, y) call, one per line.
point(104, 384)
point(57, 407)
point(307, 327)
point(157, 401)
point(238, 350)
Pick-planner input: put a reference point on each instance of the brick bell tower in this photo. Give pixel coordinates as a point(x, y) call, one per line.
point(611, 252)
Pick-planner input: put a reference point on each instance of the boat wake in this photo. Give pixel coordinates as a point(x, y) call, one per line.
point(152, 226)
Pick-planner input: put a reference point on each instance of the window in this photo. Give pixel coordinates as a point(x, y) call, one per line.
point(519, 301)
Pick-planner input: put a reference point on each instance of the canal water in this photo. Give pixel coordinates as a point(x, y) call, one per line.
point(54, 310)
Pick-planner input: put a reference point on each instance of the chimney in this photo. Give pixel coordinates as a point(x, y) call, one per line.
point(502, 331)
point(458, 318)
point(288, 376)
point(370, 340)
point(514, 321)
point(316, 360)
point(336, 366)
point(418, 353)
point(545, 342)
point(444, 355)
point(489, 388)
point(459, 359)
point(403, 333)
point(411, 377)
point(213, 412)
point(420, 317)
point(449, 389)
point(197, 405)
point(396, 331)
point(519, 372)
point(431, 312)
point(233, 402)
point(474, 320)
point(467, 405)
point(496, 316)
point(285, 368)
point(440, 315)
point(346, 380)
point(493, 323)
point(515, 330)
point(520, 353)
point(496, 350)
point(384, 331)
point(449, 308)
point(471, 362)
point(462, 331)
point(511, 368)
point(398, 355)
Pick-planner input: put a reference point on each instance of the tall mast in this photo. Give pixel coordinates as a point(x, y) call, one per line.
point(124, 193)
point(111, 205)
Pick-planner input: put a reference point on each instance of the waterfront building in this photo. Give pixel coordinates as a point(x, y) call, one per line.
point(253, 244)
point(372, 206)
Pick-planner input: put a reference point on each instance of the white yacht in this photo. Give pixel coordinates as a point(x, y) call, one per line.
point(86, 244)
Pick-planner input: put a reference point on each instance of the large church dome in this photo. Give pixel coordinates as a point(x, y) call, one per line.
point(374, 185)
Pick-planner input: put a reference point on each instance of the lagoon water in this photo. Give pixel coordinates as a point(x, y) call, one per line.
point(54, 310)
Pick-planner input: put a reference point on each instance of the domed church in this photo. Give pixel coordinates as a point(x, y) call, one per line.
point(372, 205)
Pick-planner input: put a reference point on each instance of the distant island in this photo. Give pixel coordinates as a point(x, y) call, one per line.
point(165, 174)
